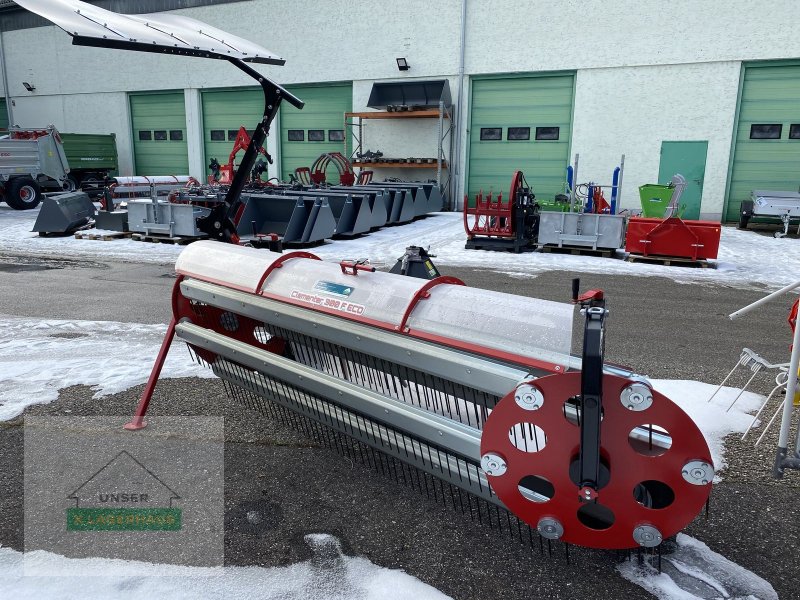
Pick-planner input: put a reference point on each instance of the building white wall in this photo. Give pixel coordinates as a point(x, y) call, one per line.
point(631, 110)
point(508, 35)
point(646, 71)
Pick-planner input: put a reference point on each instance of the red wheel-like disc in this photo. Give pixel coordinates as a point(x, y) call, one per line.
point(235, 326)
point(676, 482)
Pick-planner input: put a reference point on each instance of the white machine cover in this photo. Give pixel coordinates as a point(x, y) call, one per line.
point(528, 327)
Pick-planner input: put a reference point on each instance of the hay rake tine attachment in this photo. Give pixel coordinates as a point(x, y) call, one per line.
point(479, 408)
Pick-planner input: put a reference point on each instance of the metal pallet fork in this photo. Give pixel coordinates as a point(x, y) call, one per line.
point(469, 394)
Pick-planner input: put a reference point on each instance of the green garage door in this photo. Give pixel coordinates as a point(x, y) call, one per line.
point(224, 112)
point(3, 114)
point(767, 150)
point(520, 123)
point(318, 128)
point(159, 134)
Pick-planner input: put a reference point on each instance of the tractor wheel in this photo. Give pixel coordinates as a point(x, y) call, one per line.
point(71, 183)
point(23, 193)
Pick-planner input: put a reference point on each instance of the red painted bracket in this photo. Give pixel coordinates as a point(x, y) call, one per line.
point(423, 293)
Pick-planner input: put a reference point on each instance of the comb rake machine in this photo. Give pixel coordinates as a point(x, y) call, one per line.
point(474, 388)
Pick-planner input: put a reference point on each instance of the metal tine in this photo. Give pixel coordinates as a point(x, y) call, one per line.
point(258, 388)
point(763, 406)
point(771, 421)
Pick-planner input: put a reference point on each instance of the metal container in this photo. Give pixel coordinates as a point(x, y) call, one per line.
point(587, 230)
point(165, 218)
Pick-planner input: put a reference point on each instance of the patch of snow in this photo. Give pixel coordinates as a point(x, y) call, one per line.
point(39, 357)
point(713, 418)
point(695, 572)
point(328, 575)
point(745, 258)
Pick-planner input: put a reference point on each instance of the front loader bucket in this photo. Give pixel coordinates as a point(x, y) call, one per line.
point(352, 214)
point(283, 215)
point(402, 207)
point(377, 200)
point(435, 200)
point(64, 213)
point(321, 223)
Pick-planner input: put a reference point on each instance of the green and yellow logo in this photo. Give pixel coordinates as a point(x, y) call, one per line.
point(124, 496)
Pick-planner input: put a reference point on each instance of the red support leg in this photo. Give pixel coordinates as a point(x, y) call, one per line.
point(137, 422)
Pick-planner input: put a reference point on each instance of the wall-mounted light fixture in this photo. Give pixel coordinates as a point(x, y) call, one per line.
point(402, 64)
point(28, 86)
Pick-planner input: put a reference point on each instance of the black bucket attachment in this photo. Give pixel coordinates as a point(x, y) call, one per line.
point(295, 219)
point(377, 199)
point(65, 213)
point(400, 206)
point(351, 210)
point(412, 94)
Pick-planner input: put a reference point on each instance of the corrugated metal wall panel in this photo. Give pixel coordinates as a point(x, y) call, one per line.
point(224, 111)
point(770, 95)
point(157, 113)
point(324, 111)
point(520, 102)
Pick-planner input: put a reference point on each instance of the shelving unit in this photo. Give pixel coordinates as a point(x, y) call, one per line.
point(354, 124)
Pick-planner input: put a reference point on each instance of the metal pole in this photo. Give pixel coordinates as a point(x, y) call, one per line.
point(573, 193)
point(764, 300)
point(786, 419)
point(619, 182)
point(455, 165)
point(9, 109)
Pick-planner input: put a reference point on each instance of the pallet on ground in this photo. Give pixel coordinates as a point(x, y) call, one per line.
point(579, 251)
point(105, 236)
point(668, 261)
point(163, 239)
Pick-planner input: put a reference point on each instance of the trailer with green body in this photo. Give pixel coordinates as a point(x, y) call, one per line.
point(92, 158)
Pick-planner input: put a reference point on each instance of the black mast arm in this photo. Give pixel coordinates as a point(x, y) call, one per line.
point(220, 223)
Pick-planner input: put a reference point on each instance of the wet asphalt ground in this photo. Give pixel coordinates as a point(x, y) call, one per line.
point(658, 327)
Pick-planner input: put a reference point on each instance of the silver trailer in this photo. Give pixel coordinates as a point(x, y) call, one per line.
point(766, 203)
point(29, 159)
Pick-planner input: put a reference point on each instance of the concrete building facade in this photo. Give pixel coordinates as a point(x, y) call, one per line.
point(641, 73)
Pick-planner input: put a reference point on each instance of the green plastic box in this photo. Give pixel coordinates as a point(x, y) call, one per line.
point(655, 199)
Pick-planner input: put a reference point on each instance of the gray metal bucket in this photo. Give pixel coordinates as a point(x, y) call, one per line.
point(165, 218)
point(350, 209)
point(298, 220)
point(64, 213)
point(377, 199)
point(585, 230)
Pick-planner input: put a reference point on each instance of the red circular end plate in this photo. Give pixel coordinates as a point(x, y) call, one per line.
point(627, 467)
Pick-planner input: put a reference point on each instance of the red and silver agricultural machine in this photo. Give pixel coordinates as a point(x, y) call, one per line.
point(474, 388)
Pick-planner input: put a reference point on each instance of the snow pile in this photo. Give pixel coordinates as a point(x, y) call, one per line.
point(328, 575)
point(745, 258)
point(694, 572)
point(39, 357)
point(713, 418)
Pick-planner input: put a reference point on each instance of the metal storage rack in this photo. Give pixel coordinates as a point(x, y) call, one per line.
point(354, 126)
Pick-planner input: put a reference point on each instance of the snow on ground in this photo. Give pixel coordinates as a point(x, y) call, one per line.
point(108, 356)
point(745, 258)
point(713, 418)
point(694, 572)
point(328, 575)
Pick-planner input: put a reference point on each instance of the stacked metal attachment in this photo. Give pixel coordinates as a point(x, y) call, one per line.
point(473, 389)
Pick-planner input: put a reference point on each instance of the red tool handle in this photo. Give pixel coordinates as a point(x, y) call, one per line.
point(350, 267)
